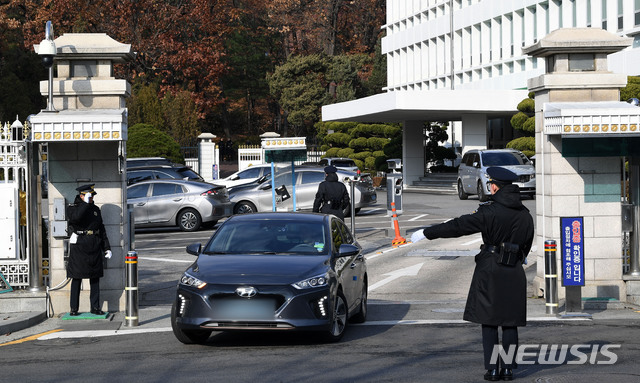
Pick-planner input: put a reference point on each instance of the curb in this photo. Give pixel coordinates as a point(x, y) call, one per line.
point(12, 322)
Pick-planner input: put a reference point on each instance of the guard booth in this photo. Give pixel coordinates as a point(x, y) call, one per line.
point(584, 138)
point(85, 130)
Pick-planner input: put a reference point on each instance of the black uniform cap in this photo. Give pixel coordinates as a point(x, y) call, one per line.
point(86, 189)
point(330, 169)
point(501, 176)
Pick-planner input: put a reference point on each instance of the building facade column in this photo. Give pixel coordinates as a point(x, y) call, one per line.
point(413, 165)
point(474, 131)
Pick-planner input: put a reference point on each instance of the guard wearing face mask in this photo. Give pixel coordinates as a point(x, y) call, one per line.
point(332, 196)
point(88, 244)
point(498, 292)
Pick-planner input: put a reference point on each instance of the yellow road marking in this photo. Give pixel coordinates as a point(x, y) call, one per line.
point(32, 337)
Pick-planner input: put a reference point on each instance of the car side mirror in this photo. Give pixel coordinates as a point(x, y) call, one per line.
point(194, 249)
point(476, 165)
point(265, 186)
point(235, 178)
point(348, 250)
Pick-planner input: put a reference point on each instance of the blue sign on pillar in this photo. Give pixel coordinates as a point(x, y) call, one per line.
point(572, 229)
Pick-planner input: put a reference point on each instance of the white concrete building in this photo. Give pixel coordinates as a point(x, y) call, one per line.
point(462, 61)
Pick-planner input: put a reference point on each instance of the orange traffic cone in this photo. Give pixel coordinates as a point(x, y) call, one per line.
point(398, 240)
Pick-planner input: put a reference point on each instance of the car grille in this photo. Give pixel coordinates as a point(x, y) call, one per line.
point(525, 178)
point(228, 297)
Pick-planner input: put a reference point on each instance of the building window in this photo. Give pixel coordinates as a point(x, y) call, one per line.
point(620, 15)
point(604, 14)
point(582, 62)
point(636, 11)
point(589, 13)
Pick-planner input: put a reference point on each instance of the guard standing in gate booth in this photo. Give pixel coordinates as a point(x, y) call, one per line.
point(332, 196)
point(88, 244)
point(498, 291)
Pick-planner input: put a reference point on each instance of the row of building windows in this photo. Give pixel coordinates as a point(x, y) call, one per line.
point(488, 48)
point(403, 14)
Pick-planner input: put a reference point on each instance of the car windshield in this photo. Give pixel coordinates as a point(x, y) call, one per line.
point(269, 237)
point(501, 159)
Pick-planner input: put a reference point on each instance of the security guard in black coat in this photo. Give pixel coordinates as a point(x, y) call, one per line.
point(88, 244)
point(332, 196)
point(497, 295)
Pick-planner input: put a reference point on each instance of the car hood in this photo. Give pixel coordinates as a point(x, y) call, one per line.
point(519, 169)
point(258, 269)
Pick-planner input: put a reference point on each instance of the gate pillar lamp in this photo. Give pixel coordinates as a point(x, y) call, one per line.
point(47, 50)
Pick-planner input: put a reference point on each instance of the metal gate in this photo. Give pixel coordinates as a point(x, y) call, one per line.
point(14, 248)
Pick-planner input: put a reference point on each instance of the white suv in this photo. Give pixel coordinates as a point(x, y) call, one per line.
point(473, 178)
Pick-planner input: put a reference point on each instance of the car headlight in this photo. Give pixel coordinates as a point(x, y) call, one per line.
point(189, 280)
point(309, 283)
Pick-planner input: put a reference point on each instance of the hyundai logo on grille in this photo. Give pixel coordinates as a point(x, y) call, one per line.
point(246, 291)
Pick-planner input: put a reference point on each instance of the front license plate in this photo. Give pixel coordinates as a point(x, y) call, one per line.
point(243, 309)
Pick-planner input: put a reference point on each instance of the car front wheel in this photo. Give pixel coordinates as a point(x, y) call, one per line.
point(187, 336)
point(482, 196)
point(338, 319)
point(189, 220)
point(461, 193)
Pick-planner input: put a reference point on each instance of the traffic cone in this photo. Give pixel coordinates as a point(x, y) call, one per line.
point(398, 240)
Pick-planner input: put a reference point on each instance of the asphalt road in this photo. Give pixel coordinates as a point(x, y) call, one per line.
point(414, 331)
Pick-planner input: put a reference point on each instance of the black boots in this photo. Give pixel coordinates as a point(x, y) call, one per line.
point(492, 375)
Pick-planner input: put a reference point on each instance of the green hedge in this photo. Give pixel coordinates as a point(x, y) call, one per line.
point(144, 140)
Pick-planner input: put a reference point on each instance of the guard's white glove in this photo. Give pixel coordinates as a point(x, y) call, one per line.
point(86, 197)
point(417, 235)
point(108, 254)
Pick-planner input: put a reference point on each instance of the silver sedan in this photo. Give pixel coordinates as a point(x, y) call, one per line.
point(260, 198)
point(186, 204)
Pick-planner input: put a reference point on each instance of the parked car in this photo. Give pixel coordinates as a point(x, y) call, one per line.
point(473, 178)
point(245, 176)
point(259, 198)
point(148, 161)
point(339, 163)
point(276, 272)
point(154, 172)
point(186, 204)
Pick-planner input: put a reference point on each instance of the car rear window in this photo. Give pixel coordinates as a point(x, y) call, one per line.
point(343, 163)
point(501, 159)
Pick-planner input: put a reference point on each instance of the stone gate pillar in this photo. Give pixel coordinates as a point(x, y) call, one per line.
point(581, 128)
point(86, 136)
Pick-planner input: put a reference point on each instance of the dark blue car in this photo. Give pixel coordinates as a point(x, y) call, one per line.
point(273, 271)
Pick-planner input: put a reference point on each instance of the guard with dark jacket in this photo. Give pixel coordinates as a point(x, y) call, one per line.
point(498, 291)
point(332, 196)
point(88, 244)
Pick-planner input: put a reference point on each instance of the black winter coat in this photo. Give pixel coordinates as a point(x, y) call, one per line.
point(498, 293)
point(332, 197)
point(85, 256)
